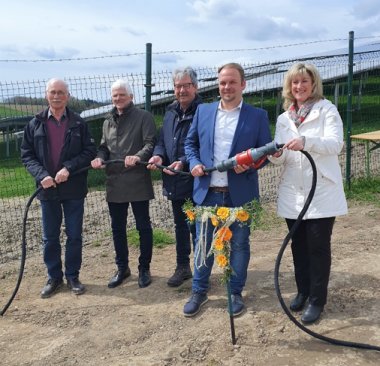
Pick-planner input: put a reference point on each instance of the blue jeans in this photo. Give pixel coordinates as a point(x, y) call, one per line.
point(52, 214)
point(182, 234)
point(240, 250)
point(119, 214)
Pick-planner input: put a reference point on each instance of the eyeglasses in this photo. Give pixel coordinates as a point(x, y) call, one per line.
point(186, 86)
point(59, 93)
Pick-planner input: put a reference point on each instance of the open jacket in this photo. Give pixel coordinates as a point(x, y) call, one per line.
point(252, 131)
point(323, 131)
point(171, 147)
point(77, 152)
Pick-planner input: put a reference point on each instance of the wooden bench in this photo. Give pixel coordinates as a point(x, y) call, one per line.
point(369, 137)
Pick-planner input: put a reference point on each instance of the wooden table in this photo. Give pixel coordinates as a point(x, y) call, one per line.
point(369, 137)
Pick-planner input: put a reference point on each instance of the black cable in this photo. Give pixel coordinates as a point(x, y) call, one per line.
point(32, 197)
point(277, 268)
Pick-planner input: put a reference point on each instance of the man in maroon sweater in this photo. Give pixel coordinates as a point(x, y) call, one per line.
point(56, 144)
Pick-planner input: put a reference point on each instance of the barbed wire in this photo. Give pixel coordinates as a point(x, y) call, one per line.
point(182, 51)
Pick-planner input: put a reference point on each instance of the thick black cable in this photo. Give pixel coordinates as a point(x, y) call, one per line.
point(25, 217)
point(277, 269)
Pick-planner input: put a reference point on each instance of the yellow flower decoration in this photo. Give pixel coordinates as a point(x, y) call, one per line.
point(214, 220)
point(221, 260)
point(190, 215)
point(224, 233)
point(223, 212)
point(218, 244)
point(221, 218)
point(242, 215)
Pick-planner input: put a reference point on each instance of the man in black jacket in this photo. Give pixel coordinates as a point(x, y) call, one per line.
point(56, 144)
point(169, 151)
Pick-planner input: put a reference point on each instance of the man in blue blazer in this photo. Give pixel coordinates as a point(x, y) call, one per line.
point(219, 131)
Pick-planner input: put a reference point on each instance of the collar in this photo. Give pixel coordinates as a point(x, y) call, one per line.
point(237, 108)
point(64, 115)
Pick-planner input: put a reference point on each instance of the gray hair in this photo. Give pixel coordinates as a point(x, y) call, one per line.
point(186, 71)
point(122, 84)
point(54, 80)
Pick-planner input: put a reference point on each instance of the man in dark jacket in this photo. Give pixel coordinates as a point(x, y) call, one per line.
point(56, 144)
point(170, 151)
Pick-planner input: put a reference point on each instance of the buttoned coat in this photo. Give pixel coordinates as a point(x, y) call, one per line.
point(323, 131)
point(132, 133)
point(252, 131)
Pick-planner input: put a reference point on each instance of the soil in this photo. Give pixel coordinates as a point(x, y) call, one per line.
point(132, 326)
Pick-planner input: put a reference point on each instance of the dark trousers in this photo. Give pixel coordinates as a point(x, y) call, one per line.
point(182, 234)
point(119, 214)
point(311, 248)
point(53, 212)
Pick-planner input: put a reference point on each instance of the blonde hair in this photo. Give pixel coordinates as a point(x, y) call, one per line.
point(301, 69)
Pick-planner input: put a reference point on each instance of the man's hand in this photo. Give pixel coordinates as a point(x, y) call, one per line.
point(241, 168)
point(153, 161)
point(62, 176)
point(131, 160)
point(97, 163)
point(198, 170)
point(48, 182)
point(177, 165)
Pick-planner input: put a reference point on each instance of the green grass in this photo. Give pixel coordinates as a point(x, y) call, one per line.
point(15, 181)
point(365, 190)
point(161, 238)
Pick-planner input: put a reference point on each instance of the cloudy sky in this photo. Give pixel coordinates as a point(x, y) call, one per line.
point(102, 29)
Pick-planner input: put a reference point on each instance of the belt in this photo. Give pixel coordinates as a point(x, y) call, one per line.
point(219, 189)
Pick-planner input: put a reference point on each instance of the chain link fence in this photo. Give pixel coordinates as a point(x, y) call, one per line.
point(90, 96)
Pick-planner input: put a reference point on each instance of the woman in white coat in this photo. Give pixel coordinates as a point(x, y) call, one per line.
point(313, 124)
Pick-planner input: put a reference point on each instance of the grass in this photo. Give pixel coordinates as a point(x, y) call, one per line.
point(365, 190)
point(161, 238)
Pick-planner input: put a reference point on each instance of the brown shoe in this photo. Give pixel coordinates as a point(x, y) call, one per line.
point(180, 275)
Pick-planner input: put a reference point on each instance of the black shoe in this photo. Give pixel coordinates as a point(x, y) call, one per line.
point(311, 313)
point(119, 277)
point(75, 286)
point(51, 287)
point(298, 302)
point(144, 278)
point(181, 274)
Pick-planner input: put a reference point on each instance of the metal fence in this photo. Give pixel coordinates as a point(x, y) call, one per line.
point(90, 96)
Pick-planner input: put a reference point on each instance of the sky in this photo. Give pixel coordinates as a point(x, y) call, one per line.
point(95, 33)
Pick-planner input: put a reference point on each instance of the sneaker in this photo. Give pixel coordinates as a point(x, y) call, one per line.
point(180, 275)
point(51, 287)
point(237, 304)
point(194, 304)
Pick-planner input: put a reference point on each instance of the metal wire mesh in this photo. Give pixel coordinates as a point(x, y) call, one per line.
point(90, 96)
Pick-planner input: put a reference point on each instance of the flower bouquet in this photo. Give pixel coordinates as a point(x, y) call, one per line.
point(221, 218)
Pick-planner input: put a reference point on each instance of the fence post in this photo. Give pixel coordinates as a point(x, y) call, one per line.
point(349, 107)
point(148, 78)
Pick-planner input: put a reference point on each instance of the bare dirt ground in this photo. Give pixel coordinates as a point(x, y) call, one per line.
point(133, 326)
